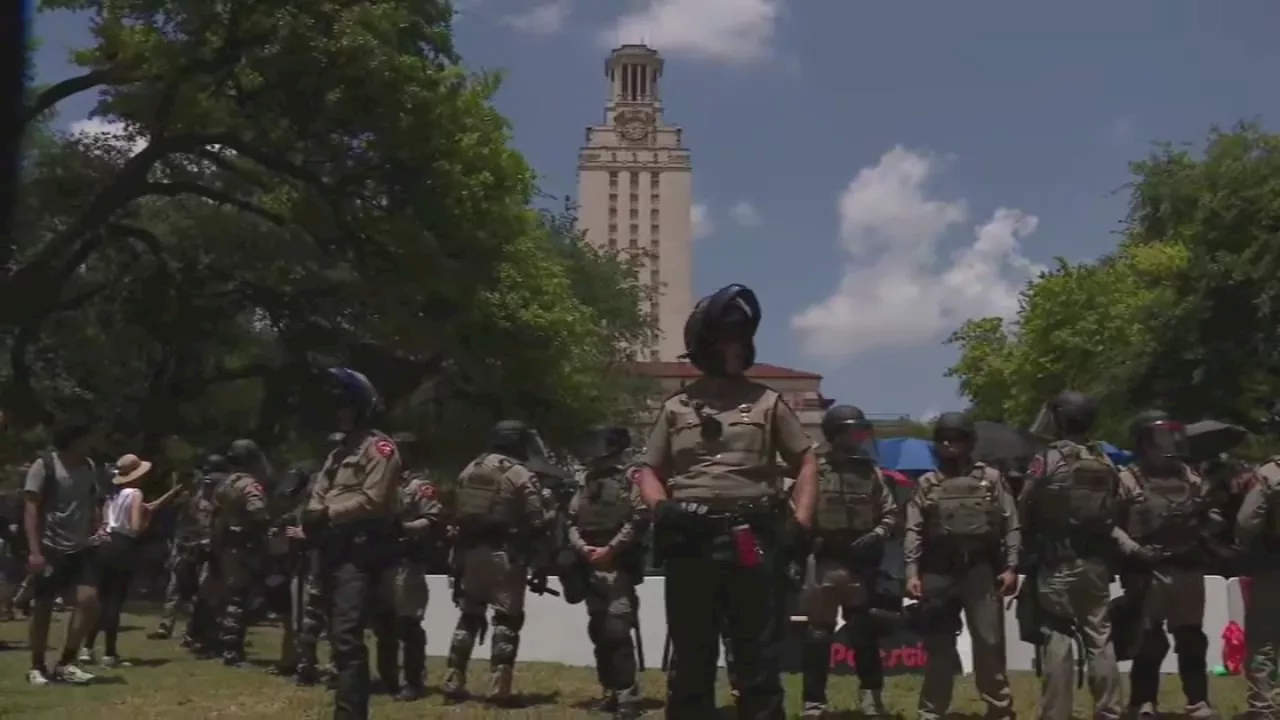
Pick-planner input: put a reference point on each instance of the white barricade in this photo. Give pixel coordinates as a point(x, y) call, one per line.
point(555, 631)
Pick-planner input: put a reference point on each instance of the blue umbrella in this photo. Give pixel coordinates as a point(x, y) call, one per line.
point(908, 455)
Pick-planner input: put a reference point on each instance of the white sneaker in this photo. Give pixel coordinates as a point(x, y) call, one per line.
point(37, 677)
point(86, 656)
point(72, 674)
point(114, 661)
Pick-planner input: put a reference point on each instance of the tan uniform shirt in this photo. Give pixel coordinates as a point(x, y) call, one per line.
point(914, 537)
point(420, 505)
point(359, 484)
point(719, 438)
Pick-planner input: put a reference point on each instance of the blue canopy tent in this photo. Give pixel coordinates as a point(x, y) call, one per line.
point(911, 456)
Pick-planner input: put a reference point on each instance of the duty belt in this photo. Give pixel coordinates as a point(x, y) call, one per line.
point(960, 556)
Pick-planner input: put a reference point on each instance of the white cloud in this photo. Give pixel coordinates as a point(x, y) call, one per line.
point(700, 218)
point(893, 294)
point(109, 131)
point(545, 19)
point(745, 214)
point(730, 31)
point(928, 416)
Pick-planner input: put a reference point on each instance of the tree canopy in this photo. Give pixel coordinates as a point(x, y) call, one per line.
point(1183, 316)
point(299, 184)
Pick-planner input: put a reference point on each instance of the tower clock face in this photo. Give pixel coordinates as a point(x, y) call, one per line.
point(635, 130)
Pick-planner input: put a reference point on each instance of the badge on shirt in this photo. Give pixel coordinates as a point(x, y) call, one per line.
point(385, 448)
point(745, 411)
point(426, 492)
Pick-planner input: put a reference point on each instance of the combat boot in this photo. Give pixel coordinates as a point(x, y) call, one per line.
point(455, 685)
point(607, 703)
point(626, 705)
point(1145, 711)
point(500, 685)
point(814, 710)
point(306, 676)
point(410, 693)
point(871, 704)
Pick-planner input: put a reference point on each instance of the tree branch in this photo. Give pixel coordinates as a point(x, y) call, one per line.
point(175, 189)
point(71, 86)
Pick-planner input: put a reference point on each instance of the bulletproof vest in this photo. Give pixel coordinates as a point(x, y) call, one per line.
point(229, 501)
point(966, 506)
point(723, 451)
point(848, 499)
point(1168, 509)
point(1079, 494)
point(411, 485)
point(196, 521)
point(604, 505)
point(480, 498)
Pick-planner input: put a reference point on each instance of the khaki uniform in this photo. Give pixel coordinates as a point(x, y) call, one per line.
point(1071, 586)
point(607, 512)
point(1258, 530)
point(404, 593)
point(240, 521)
point(1167, 512)
point(356, 490)
point(716, 444)
point(499, 508)
point(854, 500)
point(961, 533)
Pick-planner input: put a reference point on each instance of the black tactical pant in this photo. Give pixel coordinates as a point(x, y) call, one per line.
point(751, 602)
point(349, 573)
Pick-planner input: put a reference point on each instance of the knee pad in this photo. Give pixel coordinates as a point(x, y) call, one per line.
point(1190, 640)
point(819, 633)
point(615, 629)
point(511, 621)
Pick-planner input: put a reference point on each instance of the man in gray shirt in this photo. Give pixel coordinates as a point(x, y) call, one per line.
point(61, 516)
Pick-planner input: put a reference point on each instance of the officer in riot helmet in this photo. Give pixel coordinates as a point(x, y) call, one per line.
point(1166, 511)
point(345, 524)
point(1069, 414)
point(856, 513)
point(710, 474)
point(961, 549)
point(607, 522)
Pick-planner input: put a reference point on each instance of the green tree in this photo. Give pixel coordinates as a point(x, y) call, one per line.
point(313, 182)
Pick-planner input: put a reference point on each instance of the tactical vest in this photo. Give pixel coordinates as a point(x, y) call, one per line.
point(196, 522)
point(604, 507)
point(966, 507)
point(849, 500)
point(1081, 493)
point(480, 497)
point(1168, 510)
point(722, 452)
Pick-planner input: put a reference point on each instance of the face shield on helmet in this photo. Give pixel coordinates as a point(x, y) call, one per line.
point(720, 332)
point(604, 443)
point(1163, 442)
point(1045, 425)
point(953, 436)
point(855, 439)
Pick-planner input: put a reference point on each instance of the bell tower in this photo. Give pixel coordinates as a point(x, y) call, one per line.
point(635, 191)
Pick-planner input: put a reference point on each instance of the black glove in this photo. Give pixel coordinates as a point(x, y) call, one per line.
point(867, 542)
point(1147, 553)
point(671, 514)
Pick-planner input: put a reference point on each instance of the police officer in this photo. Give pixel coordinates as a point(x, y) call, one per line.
point(961, 548)
point(710, 475)
point(607, 521)
point(404, 595)
point(350, 516)
point(190, 553)
point(1258, 531)
point(240, 524)
point(499, 512)
point(1166, 511)
point(314, 611)
point(856, 514)
point(1070, 498)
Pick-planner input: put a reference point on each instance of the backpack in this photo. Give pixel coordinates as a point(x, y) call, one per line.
point(1081, 494)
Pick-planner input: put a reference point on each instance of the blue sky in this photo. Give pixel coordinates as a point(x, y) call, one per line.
point(878, 172)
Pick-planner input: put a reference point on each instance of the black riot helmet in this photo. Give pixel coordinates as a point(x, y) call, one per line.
point(511, 438)
point(604, 442)
point(1159, 441)
point(348, 389)
point(1069, 413)
point(244, 455)
point(730, 313)
point(216, 463)
point(953, 436)
point(849, 433)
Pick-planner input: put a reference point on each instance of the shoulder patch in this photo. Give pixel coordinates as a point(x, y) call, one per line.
point(385, 448)
point(1036, 468)
point(633, 476)
point(426, 491)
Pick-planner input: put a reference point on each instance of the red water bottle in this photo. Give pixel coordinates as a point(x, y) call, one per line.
point(1233, 649)
point(744, 540)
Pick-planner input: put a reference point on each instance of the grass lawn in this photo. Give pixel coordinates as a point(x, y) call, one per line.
point(166, 683)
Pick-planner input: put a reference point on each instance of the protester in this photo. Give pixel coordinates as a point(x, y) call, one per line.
point(126, 515)
point(60, 513)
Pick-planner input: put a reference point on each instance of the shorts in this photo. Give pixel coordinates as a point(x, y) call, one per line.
point(66, 571)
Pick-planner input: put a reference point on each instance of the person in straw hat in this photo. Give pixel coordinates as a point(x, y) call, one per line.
point(125, 517)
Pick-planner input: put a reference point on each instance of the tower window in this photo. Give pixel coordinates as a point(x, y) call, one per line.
point(613, 181)
point(653, 231)
point(635, 230)
point(655, 199)
point(635, 214)
point(654, 182)
point(613, 227)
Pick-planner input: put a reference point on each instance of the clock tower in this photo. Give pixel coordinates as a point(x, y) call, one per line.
point(635, 192)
